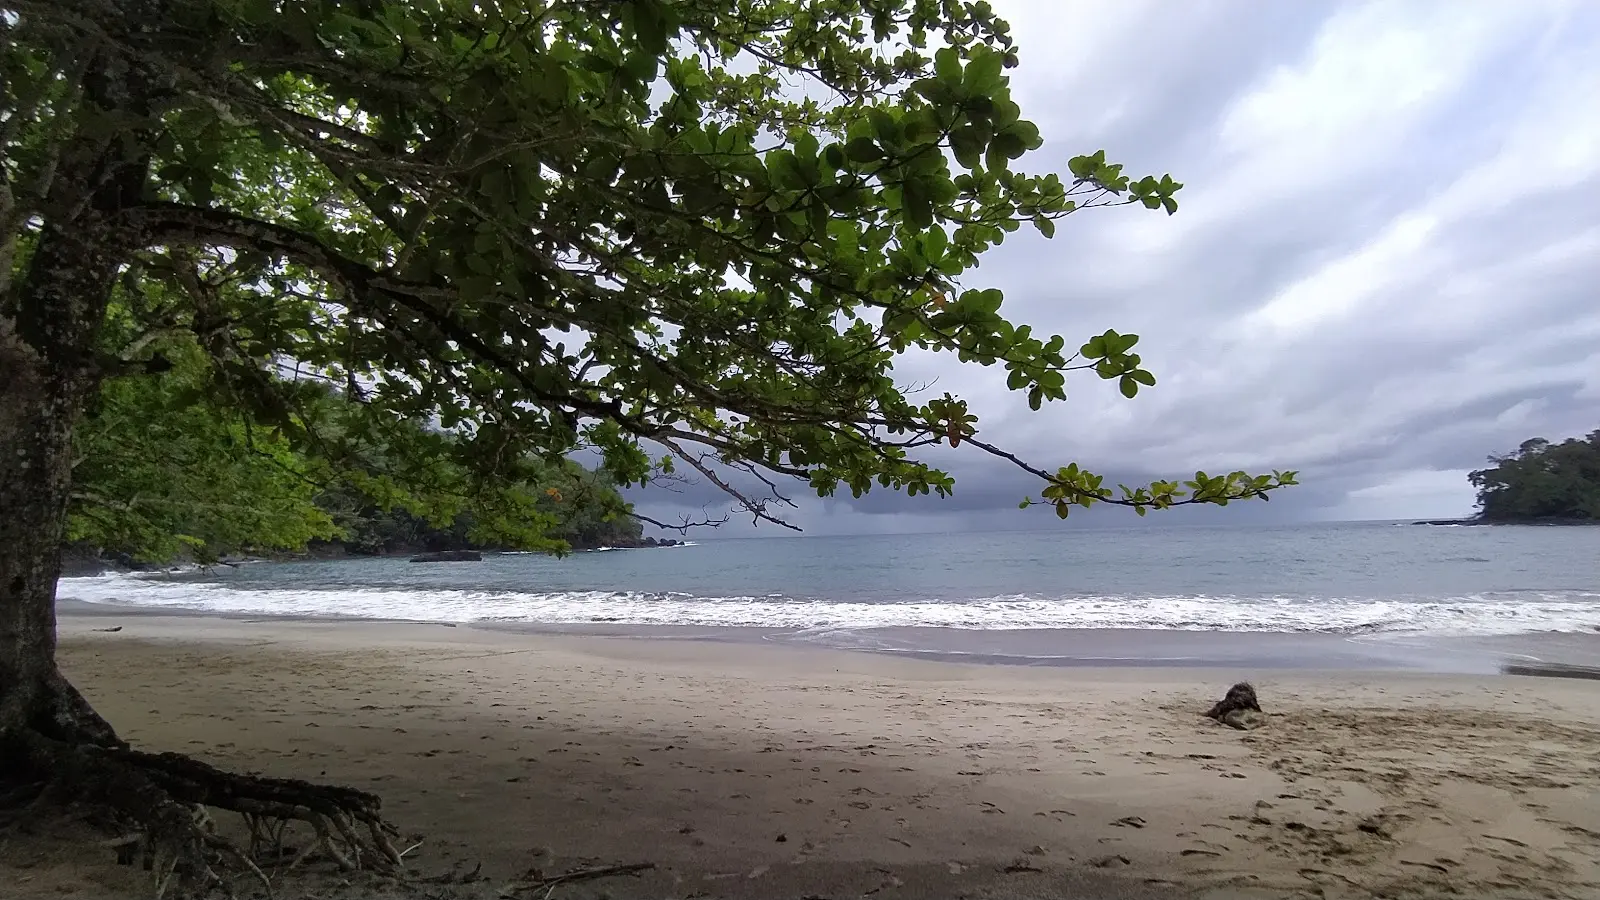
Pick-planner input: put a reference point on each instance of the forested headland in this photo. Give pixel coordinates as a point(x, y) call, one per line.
point(1542, 483)
point(166, 472)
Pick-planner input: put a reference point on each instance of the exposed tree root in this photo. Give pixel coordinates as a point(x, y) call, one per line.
point(160, 805)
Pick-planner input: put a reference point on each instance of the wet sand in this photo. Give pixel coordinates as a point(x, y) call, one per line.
point(1238, 652)
point(744, 769)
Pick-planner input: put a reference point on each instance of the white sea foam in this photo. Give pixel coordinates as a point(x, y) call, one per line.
point(1504, 613)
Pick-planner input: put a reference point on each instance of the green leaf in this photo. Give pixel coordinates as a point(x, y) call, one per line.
point(996, 159)
point(863, 150)
point(785, 169)
point(1004, 113)
point(884, 125)
point(1027, 134)
point(918, 204)
point(1009, 143)
point(968, 143)
point(984, 71)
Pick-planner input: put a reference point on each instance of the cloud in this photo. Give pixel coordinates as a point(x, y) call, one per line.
point(1385, 266)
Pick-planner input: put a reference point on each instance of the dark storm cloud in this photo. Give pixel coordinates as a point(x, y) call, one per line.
point(1386, 265)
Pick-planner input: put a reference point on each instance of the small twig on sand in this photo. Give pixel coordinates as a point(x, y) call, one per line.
point(549, 884)
point(455, 876)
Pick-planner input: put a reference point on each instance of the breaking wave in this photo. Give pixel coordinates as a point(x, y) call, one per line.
point(1508, 612)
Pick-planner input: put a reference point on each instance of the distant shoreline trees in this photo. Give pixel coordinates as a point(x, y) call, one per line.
point(1542, 483)
point(163, 472)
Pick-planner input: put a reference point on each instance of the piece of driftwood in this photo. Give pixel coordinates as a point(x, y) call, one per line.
point(1239, 708)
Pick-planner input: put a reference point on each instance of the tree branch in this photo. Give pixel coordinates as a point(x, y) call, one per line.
point(683, 526)
point(756, 508)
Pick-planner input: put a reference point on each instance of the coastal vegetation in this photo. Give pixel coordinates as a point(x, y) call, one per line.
point(425, 251)
point(1542, 482)
point(164, 472)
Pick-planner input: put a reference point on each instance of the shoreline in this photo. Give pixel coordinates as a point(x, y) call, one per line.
point(747, 769)
point(1045, 648)
point(89, 563)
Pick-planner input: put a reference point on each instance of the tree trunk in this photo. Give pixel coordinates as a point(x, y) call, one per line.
point(46, 372)
point(35, 442)
point(50, 319)
point(48, 733)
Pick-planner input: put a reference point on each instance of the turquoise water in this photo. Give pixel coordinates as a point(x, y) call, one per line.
point(1355, 578)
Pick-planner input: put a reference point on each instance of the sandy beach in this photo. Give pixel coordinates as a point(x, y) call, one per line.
point(751, 770)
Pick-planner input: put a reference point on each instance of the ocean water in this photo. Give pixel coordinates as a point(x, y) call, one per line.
point(1343, 579)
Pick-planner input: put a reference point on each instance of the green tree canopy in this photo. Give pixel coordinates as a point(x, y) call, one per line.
point(157, 478)
point(162, 470)
point(563, 223)
point(1541, 482)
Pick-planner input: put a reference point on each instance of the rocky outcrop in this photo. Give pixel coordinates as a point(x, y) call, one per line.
point(636, 544)
point(1555, 521)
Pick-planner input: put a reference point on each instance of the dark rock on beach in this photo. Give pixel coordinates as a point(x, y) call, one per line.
point(1239, 708)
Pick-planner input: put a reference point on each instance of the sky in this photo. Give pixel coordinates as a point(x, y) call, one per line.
point(1385, 267)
